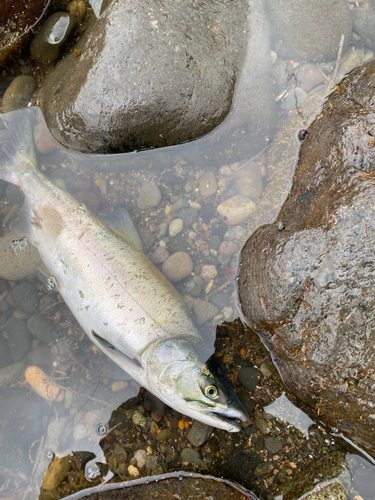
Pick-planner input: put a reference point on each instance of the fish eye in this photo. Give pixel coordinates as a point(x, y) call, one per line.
point(210, 391)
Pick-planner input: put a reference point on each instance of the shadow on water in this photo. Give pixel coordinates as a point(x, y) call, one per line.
point(100, 425)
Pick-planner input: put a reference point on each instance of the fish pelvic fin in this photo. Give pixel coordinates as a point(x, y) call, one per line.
point(17, 154)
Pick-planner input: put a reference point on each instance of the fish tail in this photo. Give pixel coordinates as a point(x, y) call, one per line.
point(17, 154)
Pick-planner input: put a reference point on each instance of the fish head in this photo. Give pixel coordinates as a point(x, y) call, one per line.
point(200, 390)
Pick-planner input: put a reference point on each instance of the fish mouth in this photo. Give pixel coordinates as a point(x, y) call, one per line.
point(224, 421)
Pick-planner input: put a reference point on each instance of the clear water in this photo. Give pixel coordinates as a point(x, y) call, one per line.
point(40, 430)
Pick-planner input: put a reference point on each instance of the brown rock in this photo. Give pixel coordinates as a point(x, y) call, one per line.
point(308, 289)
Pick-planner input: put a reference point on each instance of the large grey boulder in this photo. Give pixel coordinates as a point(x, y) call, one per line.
point(150, 73)
point(307, 281)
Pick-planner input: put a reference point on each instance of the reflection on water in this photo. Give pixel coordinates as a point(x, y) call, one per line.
point(185, 200)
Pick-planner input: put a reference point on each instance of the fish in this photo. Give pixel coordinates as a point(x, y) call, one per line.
point(125, 305)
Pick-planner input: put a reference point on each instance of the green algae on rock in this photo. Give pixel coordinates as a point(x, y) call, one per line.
point(306, 285)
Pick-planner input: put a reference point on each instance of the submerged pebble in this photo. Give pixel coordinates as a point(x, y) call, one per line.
point(38, 380)
point(204, 311)
point(175, 227)
point(10, 374)
point(235, 210)
point(39, 326)
point(149, 196)
point(25, 296)
point(178, 266)
point(207, 184)
point(15, 268)
point(159, 255)
point(19, 338)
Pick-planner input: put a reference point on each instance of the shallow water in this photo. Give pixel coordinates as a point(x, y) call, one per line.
point(33, 431)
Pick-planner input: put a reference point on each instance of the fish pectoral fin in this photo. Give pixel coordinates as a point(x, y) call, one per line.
point(47, 278)
point(130, 365)
point(121, 223)
point(21, 225)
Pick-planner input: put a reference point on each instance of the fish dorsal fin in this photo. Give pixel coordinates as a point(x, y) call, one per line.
point(121, 223)
point(21, 225)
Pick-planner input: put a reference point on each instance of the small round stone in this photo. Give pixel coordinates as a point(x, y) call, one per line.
point(139, 419)
point(159, 255)
point(236, 210)
point(178, 266)
point(149, 196)
point(228, 248)
point(208, 272)
point(273, 445)
point(176, 226)
point(133, 471)
point(207, 184)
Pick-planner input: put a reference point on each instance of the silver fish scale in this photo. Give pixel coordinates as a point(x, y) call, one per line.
point(110, 286)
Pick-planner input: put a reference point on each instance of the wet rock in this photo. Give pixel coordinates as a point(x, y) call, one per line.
point(19, 338)
point(51, 39)
point(11, 374)
point(172, 96)
point(328, 477)
point(25, 296)
point(19, 93)
point(149, 196)
point(175, 227)
point(159, 255)
point(308, 290)
point(249, 181)
point(191, 456)
point(248, 377)
point(235, 210)
point(5, 357)
point(199, 433)
point(178, 266)
point(40, 327)
point(303, 29)
point(207, 184)
point(204, 311)
point(16, 23)
point(273, 445)
point(18, 267)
